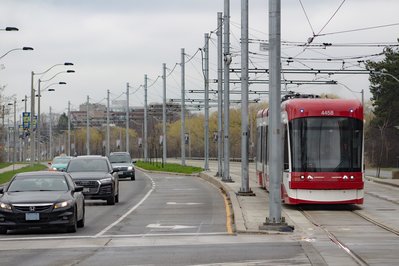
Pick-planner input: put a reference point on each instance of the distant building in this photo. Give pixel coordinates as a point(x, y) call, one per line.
point(117, 117)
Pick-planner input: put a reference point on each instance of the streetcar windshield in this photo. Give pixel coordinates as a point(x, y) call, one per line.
point(326, 144)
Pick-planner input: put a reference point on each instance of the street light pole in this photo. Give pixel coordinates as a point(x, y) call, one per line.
point(16, 49)
point(127, 117)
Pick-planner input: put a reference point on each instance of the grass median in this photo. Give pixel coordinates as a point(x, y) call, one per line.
point(6, 176)
point(168, 167)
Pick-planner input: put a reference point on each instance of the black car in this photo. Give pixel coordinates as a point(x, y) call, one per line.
point(41, 199)
point(95, 174)
point(122, 162)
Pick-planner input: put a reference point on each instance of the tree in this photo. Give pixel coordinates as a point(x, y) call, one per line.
point(62, 123)
point(385, 90)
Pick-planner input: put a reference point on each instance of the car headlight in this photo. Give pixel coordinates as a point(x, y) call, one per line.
point(106, 180)
point(5, 207)
point(130, 168)
point(63, 204)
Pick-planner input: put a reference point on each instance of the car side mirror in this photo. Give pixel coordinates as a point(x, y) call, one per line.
point(1, 190)
point(134, 161)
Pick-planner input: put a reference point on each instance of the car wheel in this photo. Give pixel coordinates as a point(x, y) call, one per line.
point(133, 177)
point(74, 227)
point(81, 223)
point(3, 230)
point(117, 198)
point(111, 200)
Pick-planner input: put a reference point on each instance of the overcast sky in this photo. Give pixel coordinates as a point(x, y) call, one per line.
point(115, 42)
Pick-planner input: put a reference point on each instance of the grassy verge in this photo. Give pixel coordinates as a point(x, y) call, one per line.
point(168, 167)
point(6, 176)
point(3, 165)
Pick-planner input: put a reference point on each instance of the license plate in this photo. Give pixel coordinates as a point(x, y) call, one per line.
point(32, 216)
point(86, 189)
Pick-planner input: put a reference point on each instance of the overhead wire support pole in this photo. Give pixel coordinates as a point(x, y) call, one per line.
point(127, 117)
point(107, 142)
point(32, 117)
point(206, 96)
point(145, 144)
point(226, 92)
point(220, 94)
point(275, 152)
point(164, 146)
point(69, 129)
point(87, 127)
point(244, 190)
point(183, 115)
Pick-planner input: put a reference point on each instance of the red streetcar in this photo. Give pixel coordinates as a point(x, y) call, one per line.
point(323, 150)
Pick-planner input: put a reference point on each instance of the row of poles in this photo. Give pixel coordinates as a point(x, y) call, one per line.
point(274, 221)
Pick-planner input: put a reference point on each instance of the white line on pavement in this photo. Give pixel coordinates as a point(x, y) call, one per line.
point(131, 210)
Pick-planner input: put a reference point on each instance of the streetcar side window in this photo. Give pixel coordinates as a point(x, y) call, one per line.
point(259, 144)
point(286, 160)
point(265, 154)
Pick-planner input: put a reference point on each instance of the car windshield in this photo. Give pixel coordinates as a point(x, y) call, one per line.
point(61, 160)
point(88, 165)
point(38, 183)
point(120, 158)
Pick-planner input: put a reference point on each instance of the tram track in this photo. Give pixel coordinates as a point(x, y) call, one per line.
point(358, 259)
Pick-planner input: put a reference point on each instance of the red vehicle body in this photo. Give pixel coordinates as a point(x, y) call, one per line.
point(323, 151)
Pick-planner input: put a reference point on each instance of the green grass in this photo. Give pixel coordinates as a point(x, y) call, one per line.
point(6, 176)
point(168, 167)
point(3, 165)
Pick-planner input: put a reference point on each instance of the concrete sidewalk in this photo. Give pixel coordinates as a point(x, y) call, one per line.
point(250, 212)
point(12, 168)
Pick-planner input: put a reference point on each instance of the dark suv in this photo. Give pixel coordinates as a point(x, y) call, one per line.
point(123, 163)
point(97, 177)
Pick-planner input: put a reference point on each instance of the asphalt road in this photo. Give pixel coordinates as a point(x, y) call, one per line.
point(161, 219)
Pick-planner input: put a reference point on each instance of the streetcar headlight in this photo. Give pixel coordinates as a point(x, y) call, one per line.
point(352, 177)
point(310, 177)
point(302, 177)
point(345, 177)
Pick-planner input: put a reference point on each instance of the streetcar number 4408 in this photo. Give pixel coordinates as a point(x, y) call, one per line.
point(327, 112)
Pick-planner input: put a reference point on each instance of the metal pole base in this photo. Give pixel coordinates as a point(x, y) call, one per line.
point(245, 193)
point(280, 227)
point(229, 180)
point(218, 175)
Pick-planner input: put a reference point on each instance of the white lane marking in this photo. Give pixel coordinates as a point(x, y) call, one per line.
point(185, 189)
point(172, 227)
point(112, 236)
point(184, 203)
point(131, 210)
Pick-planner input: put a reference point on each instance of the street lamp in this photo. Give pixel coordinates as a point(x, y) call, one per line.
point(14, 133)
point(32, 106)
point(16, 49)
point(10, 29)
point(38, 105)
point(378, 73)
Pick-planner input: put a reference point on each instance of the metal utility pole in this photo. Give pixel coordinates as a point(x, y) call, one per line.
point(183, 126)
point(69, 128)
point(227, 60)
point(164, 153)
point(206, 83)
point(38, 125)
point(87, 127)
point(244, 190)
point(275, 221)
point(145, 120)
point(32, 115)
point(15, 133)
point(127, 117)
point(107, 151)
point(51, 133)
point(220, 94)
